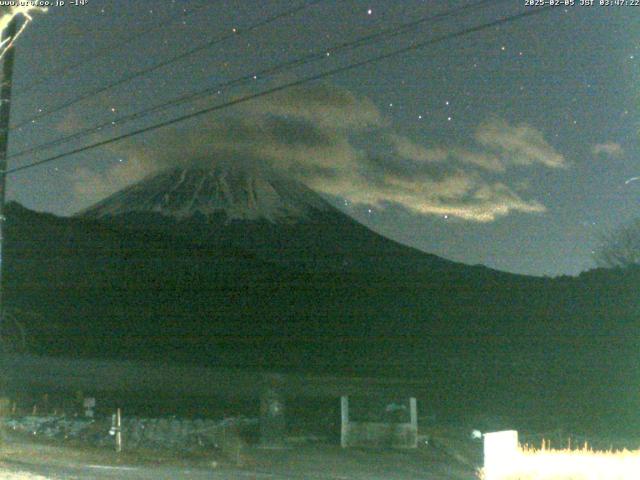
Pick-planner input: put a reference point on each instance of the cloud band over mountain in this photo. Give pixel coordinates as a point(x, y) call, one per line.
point(341, 145)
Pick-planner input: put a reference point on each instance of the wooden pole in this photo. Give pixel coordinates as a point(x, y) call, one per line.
point(5, 110)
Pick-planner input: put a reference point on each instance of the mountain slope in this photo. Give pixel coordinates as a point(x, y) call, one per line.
point(265, 213)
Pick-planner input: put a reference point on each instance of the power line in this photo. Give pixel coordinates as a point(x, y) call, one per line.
point(380, 35)
point(164, 63)
point(109, 48)
point(319, 76)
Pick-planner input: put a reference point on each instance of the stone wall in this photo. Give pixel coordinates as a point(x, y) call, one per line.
point(177, 434)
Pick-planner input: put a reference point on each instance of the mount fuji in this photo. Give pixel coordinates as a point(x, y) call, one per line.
point(260, 211)
point(224, 191)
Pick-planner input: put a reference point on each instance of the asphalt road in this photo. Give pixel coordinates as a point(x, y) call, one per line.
point(106, 472)
point(41, 462)
point(103, 472)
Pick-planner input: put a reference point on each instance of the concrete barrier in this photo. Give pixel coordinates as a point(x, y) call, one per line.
point(379, 434)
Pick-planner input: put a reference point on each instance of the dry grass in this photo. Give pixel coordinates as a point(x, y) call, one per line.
point(579, 464)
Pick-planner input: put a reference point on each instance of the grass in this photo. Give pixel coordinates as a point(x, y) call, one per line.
point(567, 464)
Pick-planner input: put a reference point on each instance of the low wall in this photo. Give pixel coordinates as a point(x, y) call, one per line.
point(175, 434)
point(378, 434)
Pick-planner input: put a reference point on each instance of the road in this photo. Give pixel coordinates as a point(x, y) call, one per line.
point(26, 461)
point(106, 472)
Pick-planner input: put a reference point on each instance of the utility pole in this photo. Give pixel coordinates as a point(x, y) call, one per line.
point(5, 108)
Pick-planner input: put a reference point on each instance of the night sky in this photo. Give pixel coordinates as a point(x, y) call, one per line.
point(515, 147)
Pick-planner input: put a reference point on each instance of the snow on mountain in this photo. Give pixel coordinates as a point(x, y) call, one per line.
point(239, 192)
point(257, 210)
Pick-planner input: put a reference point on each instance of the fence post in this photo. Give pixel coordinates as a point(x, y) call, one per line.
point(116, 429)
point(272, 413)
point(344, 426)
point(413, 410)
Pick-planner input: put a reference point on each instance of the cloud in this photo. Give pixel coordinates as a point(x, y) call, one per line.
point(325, 106)
point(410, 150)
point(339, 144)
point(92, 186)
point(518, 144)
point(610, 149)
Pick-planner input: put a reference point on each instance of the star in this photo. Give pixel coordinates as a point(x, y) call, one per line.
point(369, 12)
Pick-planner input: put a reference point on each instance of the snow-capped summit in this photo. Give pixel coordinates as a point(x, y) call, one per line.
point(239, 192)
point(249, 207)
